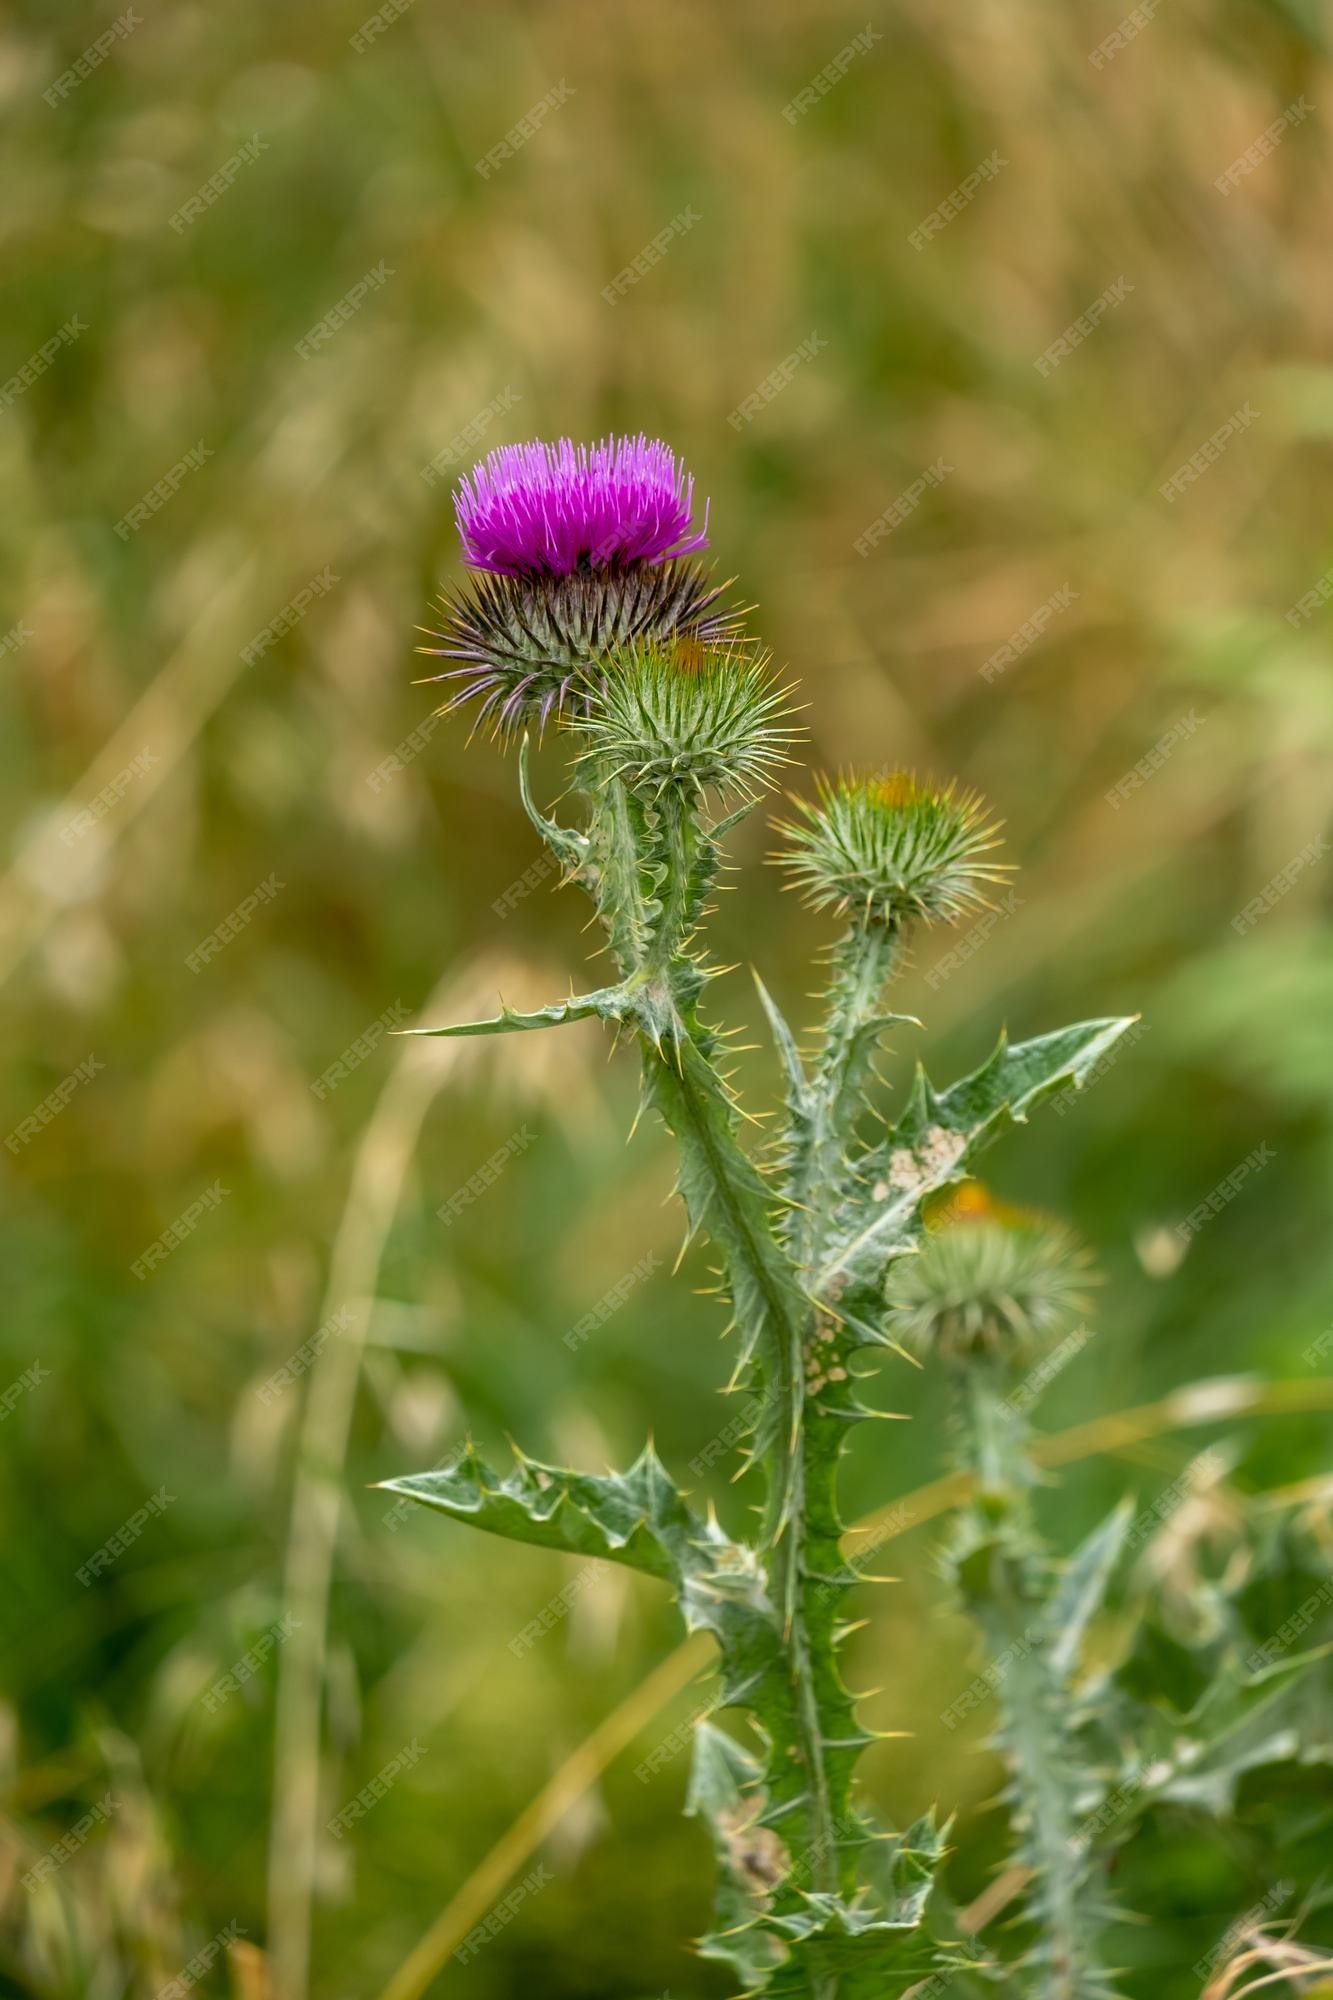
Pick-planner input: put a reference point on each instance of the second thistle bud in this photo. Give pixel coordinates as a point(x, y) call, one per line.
point(889, 849)
point(687, 717)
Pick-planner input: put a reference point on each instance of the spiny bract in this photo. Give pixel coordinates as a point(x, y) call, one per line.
point(525, 643)
point(890, 849)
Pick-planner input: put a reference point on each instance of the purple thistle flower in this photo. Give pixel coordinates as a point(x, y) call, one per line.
point(552, 509)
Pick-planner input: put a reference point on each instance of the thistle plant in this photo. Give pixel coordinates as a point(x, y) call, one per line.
point(590, 610)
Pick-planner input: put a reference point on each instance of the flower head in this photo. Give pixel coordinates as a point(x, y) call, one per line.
point(989, 1280)
point(552, 509)
point(689, 716)
point(583, 550)
point(891, 849)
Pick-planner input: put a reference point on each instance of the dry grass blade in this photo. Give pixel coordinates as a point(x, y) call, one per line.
point(383, 1159)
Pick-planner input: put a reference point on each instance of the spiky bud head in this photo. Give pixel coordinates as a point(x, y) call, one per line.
point(890, 849)
point(687, 717)
point(580, 550)
point(989, 1281)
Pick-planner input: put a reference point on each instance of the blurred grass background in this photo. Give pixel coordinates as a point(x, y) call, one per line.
point(133, 644)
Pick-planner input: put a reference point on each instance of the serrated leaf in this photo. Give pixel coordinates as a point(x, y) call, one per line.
point(608, 1003)
point(1082, 1587)
point(637, 1517)
point(793, 1069)
point(940, 1134)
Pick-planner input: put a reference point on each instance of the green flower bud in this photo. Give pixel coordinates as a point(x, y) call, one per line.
point(688, 717)
point(890, 849)
point(991, 1281)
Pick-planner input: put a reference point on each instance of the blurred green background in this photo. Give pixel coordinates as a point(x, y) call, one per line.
point(203, 774)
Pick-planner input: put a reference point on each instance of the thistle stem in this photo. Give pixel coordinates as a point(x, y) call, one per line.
point(1010, 1602)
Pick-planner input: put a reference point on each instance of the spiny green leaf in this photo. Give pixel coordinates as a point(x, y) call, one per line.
point(940, 1134)
point(636, 1517)
point(608, 1003)
point(1082, 1587)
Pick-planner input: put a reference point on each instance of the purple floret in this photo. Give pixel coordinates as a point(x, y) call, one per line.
point(551, 509)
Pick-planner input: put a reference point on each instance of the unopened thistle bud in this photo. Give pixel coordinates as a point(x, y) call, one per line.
point(687, 717)
point(580, 549)
point(889, 849)
point(989, 1281)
